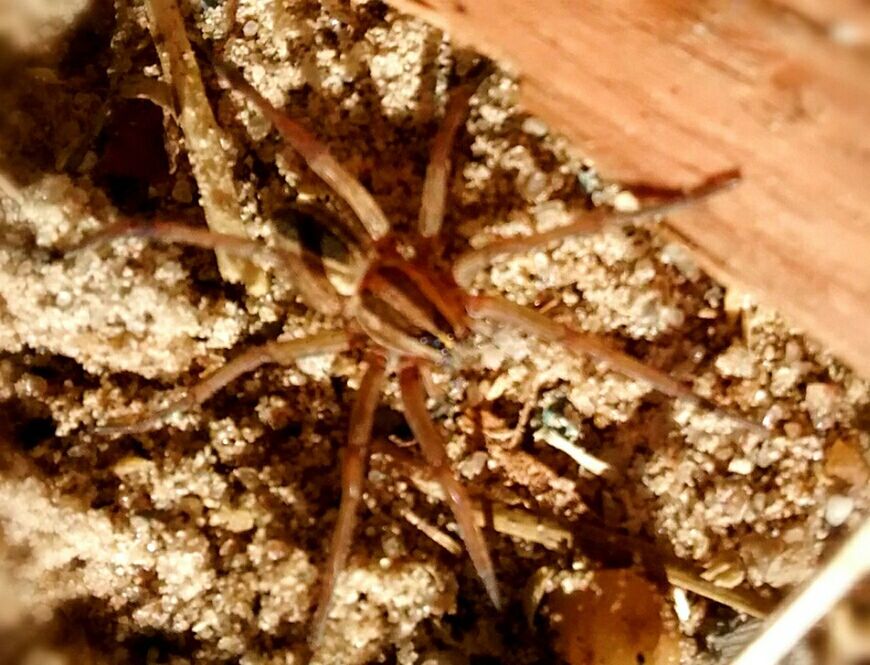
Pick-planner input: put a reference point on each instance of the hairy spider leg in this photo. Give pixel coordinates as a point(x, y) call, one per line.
point(438, 170)
point(353, 467)
point(316, 154)
point(313, 288)
point(281, 353)
point(470, 263)
point(434, 450)
point(584, 344)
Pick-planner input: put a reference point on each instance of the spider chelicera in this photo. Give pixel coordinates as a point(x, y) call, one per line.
point(406, 307)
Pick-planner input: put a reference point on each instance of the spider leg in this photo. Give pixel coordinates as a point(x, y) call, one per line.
point(433, 446)
point(316, 154)
point(468, 264)
point(314, 289)
point(352, 474)
point(282, 353)
point(583, 344)
point(438, 169)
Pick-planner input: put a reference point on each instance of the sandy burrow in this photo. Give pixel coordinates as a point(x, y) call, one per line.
point(202, 540)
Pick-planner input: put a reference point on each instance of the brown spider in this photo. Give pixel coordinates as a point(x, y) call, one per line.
point(406, 310)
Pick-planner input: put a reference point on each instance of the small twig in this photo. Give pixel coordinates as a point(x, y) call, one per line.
point(529, 402)
point(583, 458)
point(203, 135)
point(800, 612)
point(681, 575)
point(523, 524)
point(434, 533)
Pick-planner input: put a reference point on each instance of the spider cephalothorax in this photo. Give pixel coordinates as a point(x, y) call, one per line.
point(406, 307)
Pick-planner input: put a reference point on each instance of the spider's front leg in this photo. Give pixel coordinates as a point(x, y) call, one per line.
point(315, 153)
point(313, 288)
point(584, 344)
point(353, 467)
point(281, 353)
point(434, 450)
point(438, 170)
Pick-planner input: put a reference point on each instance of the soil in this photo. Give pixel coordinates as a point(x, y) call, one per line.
point(202, 541)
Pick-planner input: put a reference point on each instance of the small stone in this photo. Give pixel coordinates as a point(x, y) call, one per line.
point(792, 429)
point(844, 461)
point(626, 202)
point(784, 379)
point(741, 466)
point(472, 466)
point(535, 127)
point(534, 186)
point(774, 414)
point(737, 361)
point(673, 317)
point(822, 403)
point(237, 521)
point(736, 301)
point(679, 257)
point(726, 570)
point(644, 271)
point(131, 464)
point(838, 509)
point(63, 299)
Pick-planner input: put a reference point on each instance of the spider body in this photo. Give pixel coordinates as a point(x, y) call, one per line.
point(409, 306)
point(400, 300)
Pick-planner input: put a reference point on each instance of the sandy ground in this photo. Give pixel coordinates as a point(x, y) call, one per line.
point(201, 541)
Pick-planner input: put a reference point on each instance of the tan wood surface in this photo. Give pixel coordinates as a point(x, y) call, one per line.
point(668, 92)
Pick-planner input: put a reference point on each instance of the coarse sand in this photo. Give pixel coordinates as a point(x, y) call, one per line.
point(202, 541)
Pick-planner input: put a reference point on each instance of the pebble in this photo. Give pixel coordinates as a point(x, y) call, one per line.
point(741, 465)
point(792, 430)
point(626, 202)
point(535, 127)
point(844, 461)
point(822, 402)
point(838, 509)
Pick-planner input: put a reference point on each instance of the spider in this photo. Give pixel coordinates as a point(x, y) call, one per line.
point(406, 308)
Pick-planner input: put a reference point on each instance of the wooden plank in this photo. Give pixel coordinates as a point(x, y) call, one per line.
point(668, 92)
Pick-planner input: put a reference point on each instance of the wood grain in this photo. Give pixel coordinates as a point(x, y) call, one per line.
point(668, 92)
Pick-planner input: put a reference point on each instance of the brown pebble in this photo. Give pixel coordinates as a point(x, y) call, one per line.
point(844, 461)
point(621, 617)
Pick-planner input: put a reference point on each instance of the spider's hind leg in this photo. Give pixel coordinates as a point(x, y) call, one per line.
point(352, 476)
point(433, 446)
point(282, 353)
point(584, 344)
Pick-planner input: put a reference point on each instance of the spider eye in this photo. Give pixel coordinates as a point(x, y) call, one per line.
point(432, 342)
